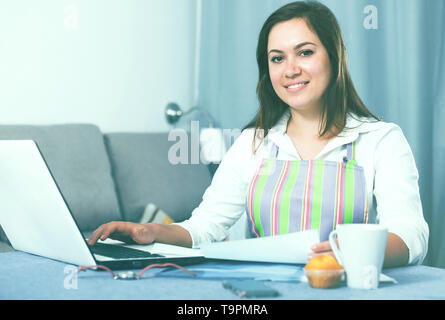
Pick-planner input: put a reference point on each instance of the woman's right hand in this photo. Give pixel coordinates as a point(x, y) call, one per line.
point(128, 232)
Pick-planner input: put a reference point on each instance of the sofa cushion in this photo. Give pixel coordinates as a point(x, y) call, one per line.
point(143, 174)
point(77, 157)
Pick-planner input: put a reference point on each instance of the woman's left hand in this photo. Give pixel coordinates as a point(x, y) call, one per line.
point(323, 247)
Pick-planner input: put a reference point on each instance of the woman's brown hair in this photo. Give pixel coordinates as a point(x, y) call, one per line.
point(340, 97)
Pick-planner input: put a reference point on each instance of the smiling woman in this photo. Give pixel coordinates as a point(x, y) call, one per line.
point(312, 45)
point(306, 92)
point(314, 156)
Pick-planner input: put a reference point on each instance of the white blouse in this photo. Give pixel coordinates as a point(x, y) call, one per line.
point(381, 149)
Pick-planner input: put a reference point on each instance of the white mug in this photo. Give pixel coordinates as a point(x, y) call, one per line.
point(361, 250)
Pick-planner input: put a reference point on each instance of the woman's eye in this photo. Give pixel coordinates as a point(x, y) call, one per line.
point(277, 59)
point(306, 53)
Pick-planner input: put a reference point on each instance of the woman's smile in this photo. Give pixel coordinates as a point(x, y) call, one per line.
point(296, 86)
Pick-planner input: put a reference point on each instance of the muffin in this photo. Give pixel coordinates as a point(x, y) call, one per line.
point(323, 271)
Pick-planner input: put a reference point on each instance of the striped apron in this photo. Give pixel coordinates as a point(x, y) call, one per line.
point(296, 195)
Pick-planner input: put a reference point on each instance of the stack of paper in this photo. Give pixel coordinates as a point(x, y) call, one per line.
point(287, 248)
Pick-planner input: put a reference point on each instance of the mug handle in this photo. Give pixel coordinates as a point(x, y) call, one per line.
point(334, 246)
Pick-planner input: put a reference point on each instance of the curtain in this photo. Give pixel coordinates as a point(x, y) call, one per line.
point(396, 56)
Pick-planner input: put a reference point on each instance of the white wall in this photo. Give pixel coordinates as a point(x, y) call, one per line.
point(114, 63)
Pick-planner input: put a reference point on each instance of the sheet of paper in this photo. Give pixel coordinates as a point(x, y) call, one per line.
point(240, 270)
point(287, 248)
point(167, 249)
point(382, 278)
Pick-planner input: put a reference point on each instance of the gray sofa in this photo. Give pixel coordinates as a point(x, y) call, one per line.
point(113, 176)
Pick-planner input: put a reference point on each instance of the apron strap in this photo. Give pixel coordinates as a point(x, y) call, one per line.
point(274, 151)
point(350, 153)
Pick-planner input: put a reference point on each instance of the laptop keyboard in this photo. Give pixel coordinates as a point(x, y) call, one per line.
point(119, 252)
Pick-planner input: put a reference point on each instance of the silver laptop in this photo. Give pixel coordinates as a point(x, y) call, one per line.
point(36, 218)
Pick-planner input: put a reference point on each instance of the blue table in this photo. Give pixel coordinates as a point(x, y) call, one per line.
point(25, 276)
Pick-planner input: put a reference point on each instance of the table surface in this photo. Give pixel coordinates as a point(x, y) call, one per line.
point(25, 276)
